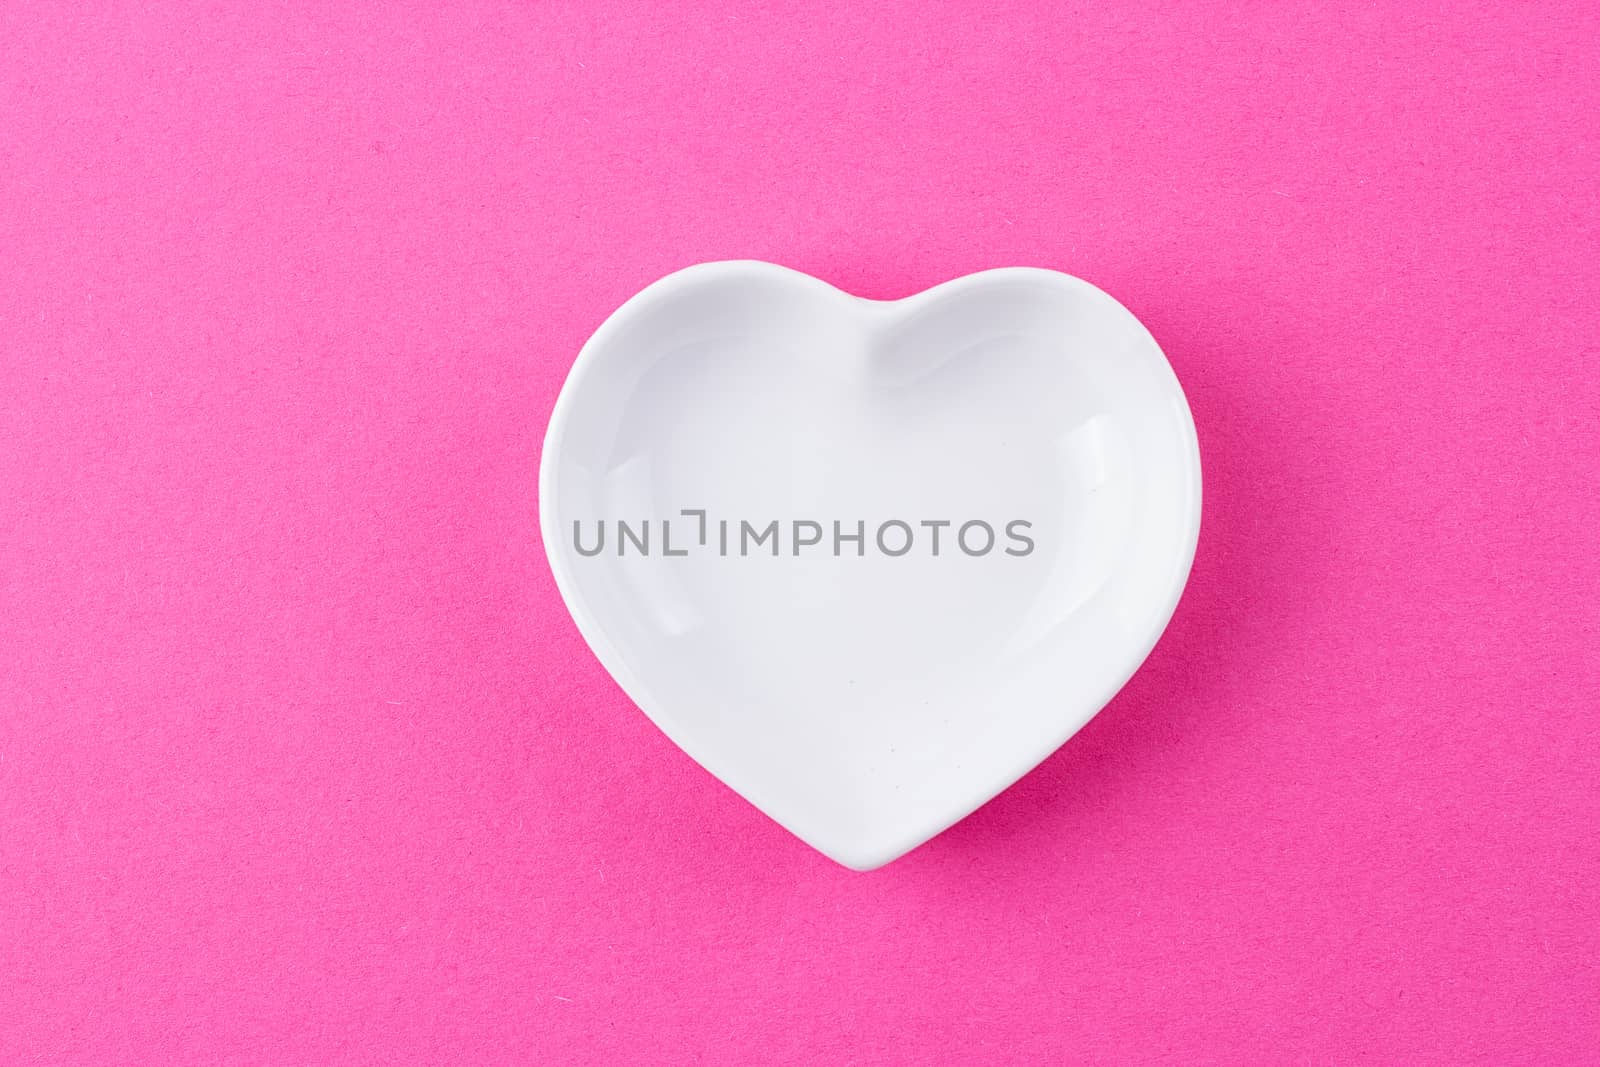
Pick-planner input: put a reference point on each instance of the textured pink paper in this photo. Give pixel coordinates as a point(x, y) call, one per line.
point(302, 760)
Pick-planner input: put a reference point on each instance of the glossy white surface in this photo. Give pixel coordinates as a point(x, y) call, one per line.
point(868, 701)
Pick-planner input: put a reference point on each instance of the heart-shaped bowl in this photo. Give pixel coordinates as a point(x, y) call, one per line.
point(869, 562)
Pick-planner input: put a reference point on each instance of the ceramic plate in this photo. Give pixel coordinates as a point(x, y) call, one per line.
point(869, 562)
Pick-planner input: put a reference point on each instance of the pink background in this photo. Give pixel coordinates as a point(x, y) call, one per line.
point(302, 760)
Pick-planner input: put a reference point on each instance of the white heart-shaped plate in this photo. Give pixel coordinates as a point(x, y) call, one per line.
point(868, 561)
